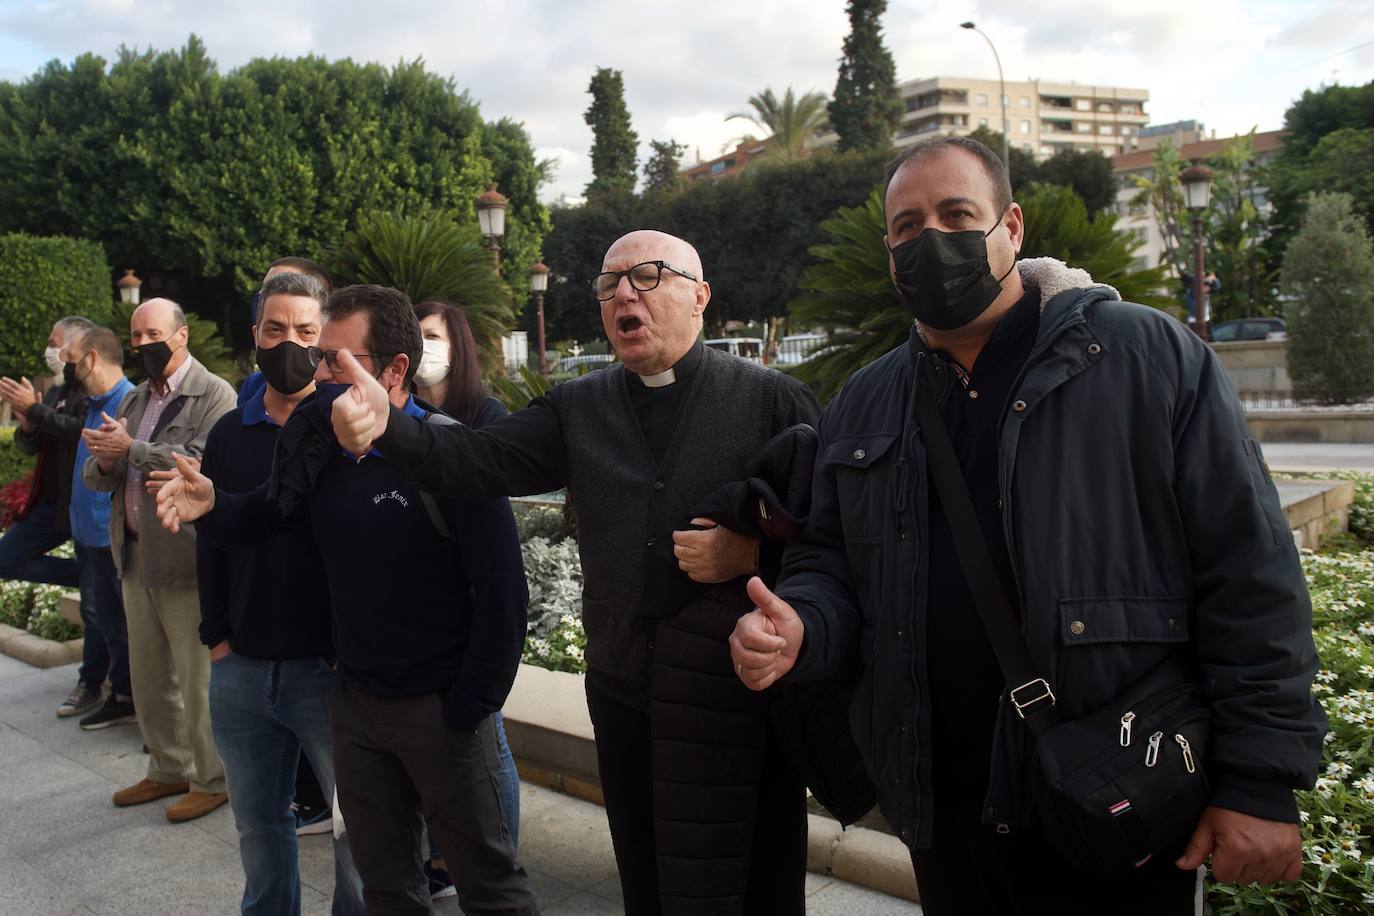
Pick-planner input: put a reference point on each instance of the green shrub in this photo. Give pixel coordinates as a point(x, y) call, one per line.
point(14, 464)
point(1327, 280)
point(42, 280)
point(537, 520)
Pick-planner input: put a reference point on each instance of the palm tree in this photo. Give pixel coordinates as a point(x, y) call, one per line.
point(431, 257)
point(790, 122)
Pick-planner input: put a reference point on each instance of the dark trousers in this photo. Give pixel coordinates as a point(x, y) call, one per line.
point(777, 866)
point(396, 760)
point(105, 648)
point(25, 544)
point(972, 870)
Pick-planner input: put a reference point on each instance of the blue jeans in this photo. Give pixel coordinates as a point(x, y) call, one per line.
point(263, 714)
point(106, 645)
point(24, 546)
point(510, 789)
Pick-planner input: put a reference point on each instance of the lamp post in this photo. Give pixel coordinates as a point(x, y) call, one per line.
point(1197, 193)
point(128, 287)
point(491, 218)
point(1006, 124)
point(539, 281)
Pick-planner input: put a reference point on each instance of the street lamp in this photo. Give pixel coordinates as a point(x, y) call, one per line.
point(491, 218)
point(1197, 193)
point(1006, 124)
point(539, 281)
point(128, 287)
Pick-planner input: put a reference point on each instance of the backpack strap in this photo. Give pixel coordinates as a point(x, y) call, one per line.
point(436, 517)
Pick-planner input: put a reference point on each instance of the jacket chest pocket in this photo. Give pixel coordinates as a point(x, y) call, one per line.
point(1107, 643)
point(863, 470)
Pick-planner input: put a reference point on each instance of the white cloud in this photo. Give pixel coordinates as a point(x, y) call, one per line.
point(1233, 64)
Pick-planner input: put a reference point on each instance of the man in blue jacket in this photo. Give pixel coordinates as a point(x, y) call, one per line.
point(1129, 515)
point(96, 361)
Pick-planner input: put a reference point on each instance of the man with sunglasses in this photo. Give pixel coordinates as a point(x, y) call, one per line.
point(638, 444)
point(411, 717)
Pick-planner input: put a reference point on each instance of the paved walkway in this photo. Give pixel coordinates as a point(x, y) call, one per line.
point(64, 849)
point(1318, 456)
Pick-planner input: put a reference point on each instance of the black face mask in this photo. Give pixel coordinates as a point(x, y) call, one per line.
point(944, 277)
point(69, 379)
point(155, 356)
point(286, 366)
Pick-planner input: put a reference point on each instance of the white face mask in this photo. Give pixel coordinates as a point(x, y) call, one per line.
point(434, 364)
point(53, 357)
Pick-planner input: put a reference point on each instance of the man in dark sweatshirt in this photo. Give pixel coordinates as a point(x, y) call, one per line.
point(411, 716)
point(265, 619)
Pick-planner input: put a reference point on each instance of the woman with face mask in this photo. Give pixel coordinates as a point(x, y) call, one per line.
point(450, 380)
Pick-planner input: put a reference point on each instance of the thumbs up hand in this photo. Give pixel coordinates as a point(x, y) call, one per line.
point(359, 414)
point(766, 641)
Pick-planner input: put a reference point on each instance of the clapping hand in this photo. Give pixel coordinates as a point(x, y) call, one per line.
point(153, 480)
point(110, 442)
point(21, 395)
point(185, 496)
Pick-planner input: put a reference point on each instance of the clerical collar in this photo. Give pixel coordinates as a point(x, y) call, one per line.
point(678, 372)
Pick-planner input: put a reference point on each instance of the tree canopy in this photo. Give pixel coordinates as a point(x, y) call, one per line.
point(176, 167)
point(614, 142)
point(791, 121)
point(867, 108)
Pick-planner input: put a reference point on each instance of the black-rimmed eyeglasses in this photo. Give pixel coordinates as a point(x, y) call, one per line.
point(643, 277)
point(331, 358)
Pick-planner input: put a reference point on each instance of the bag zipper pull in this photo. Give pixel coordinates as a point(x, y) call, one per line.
point(1152, 752)
point(1187, 753)
point(1126, 721)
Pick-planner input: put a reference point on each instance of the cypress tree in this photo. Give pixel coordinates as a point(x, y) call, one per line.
point(614, 142)
point(867, 107)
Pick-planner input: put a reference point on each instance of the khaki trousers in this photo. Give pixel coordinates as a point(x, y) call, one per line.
point(170, 671)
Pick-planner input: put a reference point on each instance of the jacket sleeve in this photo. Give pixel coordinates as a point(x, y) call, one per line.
point(212, 565)
point(489, 550)
point(157, 456)
point(1252, 625)
point(815, 577)
point(107, 481)
point(517, 455)
point(65, 424)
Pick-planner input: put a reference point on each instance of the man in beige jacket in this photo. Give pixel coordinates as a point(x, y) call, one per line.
point(172, 410)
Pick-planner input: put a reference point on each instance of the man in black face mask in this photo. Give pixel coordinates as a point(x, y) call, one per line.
point(172, 410)
point(265, 617)
point(1128, 517)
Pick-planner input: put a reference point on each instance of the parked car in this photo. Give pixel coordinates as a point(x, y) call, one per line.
point(1249, 329)
point(749, 347)
point(576, 364)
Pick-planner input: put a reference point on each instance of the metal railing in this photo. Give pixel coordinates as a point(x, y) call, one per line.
point(1335, 401)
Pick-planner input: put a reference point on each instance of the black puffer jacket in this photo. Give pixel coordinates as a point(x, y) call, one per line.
point(1141, 522)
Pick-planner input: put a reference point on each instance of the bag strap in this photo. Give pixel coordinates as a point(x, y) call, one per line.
point(1029, 692)
point(436, 517)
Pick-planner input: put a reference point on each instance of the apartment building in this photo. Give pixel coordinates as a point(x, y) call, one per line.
point(1139, 219)
point(1043, 117)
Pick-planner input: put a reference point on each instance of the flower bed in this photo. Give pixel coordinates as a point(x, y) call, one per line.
point(1338, 815)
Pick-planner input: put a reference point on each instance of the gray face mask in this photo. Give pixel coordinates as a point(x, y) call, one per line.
point(944, 277)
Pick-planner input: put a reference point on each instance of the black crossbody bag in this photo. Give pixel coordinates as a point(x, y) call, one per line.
point(1112, 788)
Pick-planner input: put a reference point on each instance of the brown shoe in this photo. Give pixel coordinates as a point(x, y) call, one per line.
point(195, 804)
point(146, 790)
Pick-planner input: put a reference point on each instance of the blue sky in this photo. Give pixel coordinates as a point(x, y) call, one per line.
point(1233, 64)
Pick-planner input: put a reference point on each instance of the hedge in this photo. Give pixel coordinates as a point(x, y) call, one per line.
point(42, 280)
